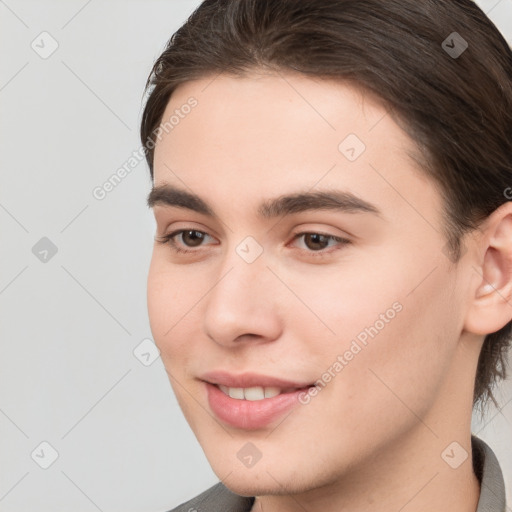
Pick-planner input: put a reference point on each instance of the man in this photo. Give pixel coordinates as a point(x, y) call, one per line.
point(331, 280)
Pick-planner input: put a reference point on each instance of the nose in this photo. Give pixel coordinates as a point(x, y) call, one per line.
point(243, 305)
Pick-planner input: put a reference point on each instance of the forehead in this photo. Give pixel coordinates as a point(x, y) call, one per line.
point(262, 134)
point(289, 105)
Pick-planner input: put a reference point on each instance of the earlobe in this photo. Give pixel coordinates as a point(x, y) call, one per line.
point(491, 305)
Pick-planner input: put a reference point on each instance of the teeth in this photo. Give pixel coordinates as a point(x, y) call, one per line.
point(255, 393)
point(270, 392)
point(236, 393)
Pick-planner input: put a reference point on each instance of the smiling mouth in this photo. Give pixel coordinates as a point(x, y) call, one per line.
point(256, 392)
point(252, 407)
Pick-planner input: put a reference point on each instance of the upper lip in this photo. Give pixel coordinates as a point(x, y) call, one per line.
point(248, 380)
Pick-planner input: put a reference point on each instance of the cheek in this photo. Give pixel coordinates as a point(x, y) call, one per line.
point(387, 335)
point(168, 305)
point(168, 298)
point(160, 300)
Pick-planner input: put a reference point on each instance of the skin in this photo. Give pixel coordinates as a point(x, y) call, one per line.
point(372, 438)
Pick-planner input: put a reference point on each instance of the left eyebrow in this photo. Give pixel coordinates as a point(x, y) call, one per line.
point(338, 200)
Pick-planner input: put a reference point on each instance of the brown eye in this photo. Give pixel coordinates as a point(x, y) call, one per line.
point(317, 244)
point(316, 241)
point(192, 238)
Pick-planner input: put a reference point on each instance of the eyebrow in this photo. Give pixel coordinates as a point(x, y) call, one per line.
point(338, 200)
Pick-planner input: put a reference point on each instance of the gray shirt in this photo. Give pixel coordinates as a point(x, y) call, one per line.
point(219, 498)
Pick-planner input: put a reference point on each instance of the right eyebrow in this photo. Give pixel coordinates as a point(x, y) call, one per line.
point(330, 199)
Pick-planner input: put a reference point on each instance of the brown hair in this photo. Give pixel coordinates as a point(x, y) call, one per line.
point(457, 107)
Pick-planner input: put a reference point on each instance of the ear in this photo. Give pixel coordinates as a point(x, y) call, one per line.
point(491, 302)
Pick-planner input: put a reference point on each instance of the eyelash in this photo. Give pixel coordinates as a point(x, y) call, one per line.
point(169, 240)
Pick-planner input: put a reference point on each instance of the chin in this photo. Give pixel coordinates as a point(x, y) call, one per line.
point(247, 486)
point(264, 479)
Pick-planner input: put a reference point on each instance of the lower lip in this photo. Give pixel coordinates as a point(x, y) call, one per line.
point(250, 414)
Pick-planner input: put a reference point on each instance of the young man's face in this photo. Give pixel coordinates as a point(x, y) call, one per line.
point(376, 319)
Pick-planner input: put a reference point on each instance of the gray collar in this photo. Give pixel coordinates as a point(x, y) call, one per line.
point(488, 471)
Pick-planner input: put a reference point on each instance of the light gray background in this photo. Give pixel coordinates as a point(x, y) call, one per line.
point(69, 326)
